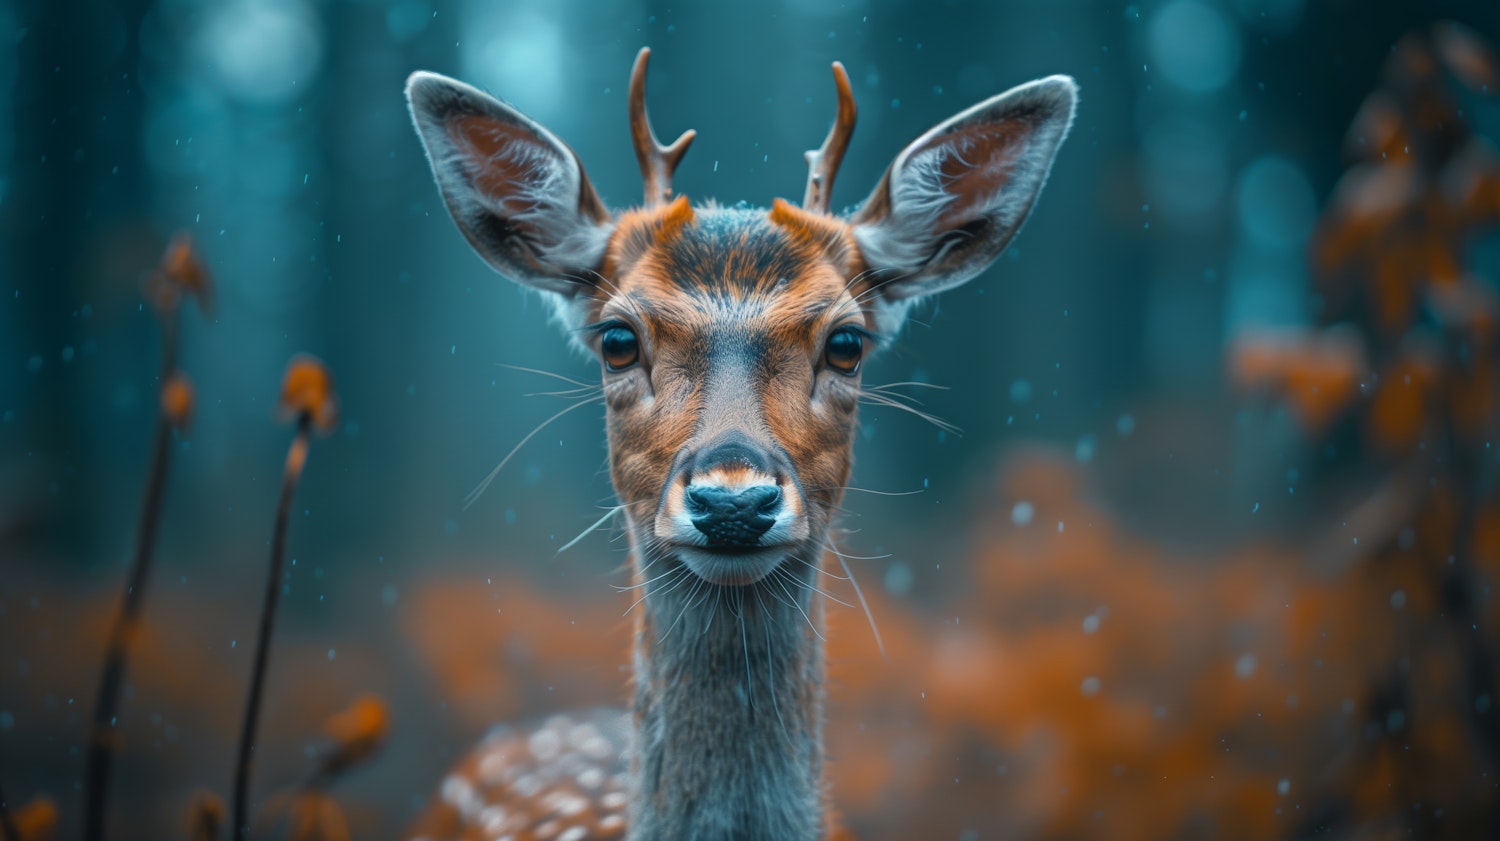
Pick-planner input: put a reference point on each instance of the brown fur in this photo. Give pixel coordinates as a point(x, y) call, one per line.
point(779, 283)
point(729, 388)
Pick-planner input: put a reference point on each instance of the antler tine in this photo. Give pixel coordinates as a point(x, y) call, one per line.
point(823, 162)
point(657, 162)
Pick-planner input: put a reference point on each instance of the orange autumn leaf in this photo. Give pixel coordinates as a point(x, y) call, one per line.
point(1401, 407)
point(1318, 371)
point(36, 821)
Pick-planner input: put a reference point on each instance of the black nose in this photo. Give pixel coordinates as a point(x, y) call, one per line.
point(733, 518)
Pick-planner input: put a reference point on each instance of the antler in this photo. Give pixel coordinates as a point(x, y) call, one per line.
point(823, 162)
point(657, 162)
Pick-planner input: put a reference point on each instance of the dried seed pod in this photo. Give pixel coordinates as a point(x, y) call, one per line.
point(315, 816)
point(356, 733)
point(307, 389)
point(177, 401)
point(181, 271)
point(205, 816)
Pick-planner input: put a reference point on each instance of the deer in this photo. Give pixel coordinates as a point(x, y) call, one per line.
point(731, 344)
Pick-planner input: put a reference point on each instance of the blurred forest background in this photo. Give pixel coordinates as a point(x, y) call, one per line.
point(1214, 556)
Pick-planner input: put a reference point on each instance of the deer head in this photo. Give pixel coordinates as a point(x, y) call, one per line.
point(732, 342)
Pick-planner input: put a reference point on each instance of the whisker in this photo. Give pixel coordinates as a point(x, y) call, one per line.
point(859, 557)
point(859, 300)
point(817, 568)
point(681, 571)
point(651, 554)
point(771, 668)
point(879, 643)
point(569, 380)
point(586, 532)
point(910, 384)
point(714, 611)
point(793, 602)
point(571, 392)
point(679, 582)
point(484, 485)
point(810, 586)
point(881, 400)
point(870, 490)
point(781, 598)
point(618, 294)
point(745, 644)
point(686, 603)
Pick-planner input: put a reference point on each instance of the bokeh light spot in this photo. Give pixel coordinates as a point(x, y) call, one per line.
point(1194, 46)
point(264, 52)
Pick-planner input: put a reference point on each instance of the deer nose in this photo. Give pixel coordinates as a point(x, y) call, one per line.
point(733, 518)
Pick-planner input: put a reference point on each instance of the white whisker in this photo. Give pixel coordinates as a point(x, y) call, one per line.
point(590, 530)
point(792, 600)
point(569, 380)
point(484, 485)
point(879, 643)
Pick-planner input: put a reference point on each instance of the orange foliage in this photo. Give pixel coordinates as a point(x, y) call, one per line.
point(36, 821)
point(1318, 371)
point(1398, 222)
point(502, 649)
point(1119, 693)
point(1403, 401)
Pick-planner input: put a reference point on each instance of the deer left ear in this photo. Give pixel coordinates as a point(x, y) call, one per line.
point(518, 194)
point(951, 201)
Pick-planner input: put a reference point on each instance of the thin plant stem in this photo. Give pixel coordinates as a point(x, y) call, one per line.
point(295, 459)
point(103, 737)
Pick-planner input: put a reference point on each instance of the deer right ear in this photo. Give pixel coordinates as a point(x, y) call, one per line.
point(954, 198)
point(518, 194)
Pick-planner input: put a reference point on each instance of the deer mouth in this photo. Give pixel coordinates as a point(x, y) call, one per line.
point(738, 566)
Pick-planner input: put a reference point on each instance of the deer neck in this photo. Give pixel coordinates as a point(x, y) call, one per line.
point(728, 735)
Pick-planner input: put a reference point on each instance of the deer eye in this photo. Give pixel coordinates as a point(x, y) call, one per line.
point(619, 347)
point(845, 348)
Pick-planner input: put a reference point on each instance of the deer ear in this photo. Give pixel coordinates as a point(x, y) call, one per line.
point(952, 200)
point(518, 194)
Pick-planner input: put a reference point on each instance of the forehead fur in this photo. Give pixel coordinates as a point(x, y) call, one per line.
point(734, 252)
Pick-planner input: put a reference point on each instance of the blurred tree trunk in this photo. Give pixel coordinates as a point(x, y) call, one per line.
point(79, 175)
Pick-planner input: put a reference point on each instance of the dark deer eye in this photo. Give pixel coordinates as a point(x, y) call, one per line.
point(619, 347)
point(845, 348)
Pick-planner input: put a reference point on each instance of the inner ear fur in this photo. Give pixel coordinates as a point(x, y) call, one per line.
point(518, 194)
point(953, 199)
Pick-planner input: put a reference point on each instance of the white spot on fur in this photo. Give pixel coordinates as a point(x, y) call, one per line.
point(545, 744)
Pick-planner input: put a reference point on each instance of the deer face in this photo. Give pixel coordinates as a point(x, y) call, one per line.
point(731, 353)
point(732, 341)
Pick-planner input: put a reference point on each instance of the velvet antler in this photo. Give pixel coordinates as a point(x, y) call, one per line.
point(657, 162)
point(823, 162)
